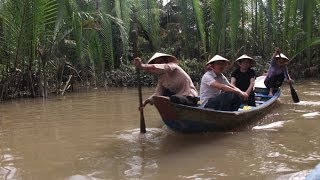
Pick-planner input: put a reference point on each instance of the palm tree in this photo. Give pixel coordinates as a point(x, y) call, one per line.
point(27, 28)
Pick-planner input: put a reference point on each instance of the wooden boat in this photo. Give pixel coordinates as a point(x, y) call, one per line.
point(188, 119)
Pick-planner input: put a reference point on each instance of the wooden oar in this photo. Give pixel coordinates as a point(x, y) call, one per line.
point(135, 54)
point(294, 94)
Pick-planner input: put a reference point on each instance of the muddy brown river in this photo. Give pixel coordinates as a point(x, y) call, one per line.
point(95, 135)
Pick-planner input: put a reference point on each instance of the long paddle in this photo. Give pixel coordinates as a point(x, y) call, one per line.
point(135, 54)
point(294, 94)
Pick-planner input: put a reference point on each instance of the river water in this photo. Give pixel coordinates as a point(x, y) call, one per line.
point(95, 135)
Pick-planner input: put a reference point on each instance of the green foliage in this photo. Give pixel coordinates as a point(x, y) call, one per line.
point(123, 9)
point(194, 68)
point(234, 24)
point(73, 11)
point(126, 76)
point(45, 39)
point(147, 14)
point(200, 22)
point(217, 31)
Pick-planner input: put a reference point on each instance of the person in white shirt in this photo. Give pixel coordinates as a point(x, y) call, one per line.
point(216, 92)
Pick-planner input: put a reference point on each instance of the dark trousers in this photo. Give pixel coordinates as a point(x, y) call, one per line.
point(251, 100)
point(224, 102)
point(167, 93)
point(274, 81)
point(185, 100)
point(181, 99)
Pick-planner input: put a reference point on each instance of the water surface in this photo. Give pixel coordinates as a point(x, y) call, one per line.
point(95, 135)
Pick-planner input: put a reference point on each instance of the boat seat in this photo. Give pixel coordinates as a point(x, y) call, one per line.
point(260, 102)
point(262, 95)
point(259, 96)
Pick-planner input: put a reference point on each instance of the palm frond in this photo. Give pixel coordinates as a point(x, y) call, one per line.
point(147, 13)
point(200, 22)
point(234, 24)
point(73, 12)
point(123, 10)
point(217, 30)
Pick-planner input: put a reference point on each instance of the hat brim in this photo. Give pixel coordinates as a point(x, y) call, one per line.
point(282, 56)
point(218, 58)
point(286, 62)
point(252, 62)
point(227, 62)
point(170, 58)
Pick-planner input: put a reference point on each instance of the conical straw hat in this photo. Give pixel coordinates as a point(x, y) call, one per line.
point(252, 63)
point(217, 58)
point(282, 56)
point(158, 55)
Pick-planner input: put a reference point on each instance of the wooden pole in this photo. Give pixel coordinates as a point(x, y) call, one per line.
point(135, 54)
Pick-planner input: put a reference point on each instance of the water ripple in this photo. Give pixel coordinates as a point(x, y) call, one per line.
point(309, 103)
point(311, 115)
point(153, 135)
point(294, 176)
point(272, 126)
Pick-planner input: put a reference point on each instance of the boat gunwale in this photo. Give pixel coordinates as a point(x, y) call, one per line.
point(257, 108)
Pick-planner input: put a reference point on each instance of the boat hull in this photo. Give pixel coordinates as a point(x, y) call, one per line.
point(189, 119)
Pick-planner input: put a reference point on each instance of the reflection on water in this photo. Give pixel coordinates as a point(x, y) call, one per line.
point(311, 115)
point(272, 126)
point(95, 135)
point(309, 103)
point(139, 164)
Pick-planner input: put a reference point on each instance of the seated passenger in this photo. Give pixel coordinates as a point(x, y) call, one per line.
point(173, 81)
point(243, 77)
point(215, 90)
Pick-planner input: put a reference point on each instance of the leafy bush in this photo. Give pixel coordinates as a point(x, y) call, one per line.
point(126, 76)
point(194, 68)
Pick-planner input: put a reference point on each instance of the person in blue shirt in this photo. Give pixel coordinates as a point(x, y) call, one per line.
point(277, 72)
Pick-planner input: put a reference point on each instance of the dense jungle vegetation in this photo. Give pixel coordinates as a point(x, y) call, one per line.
point(52, 46)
